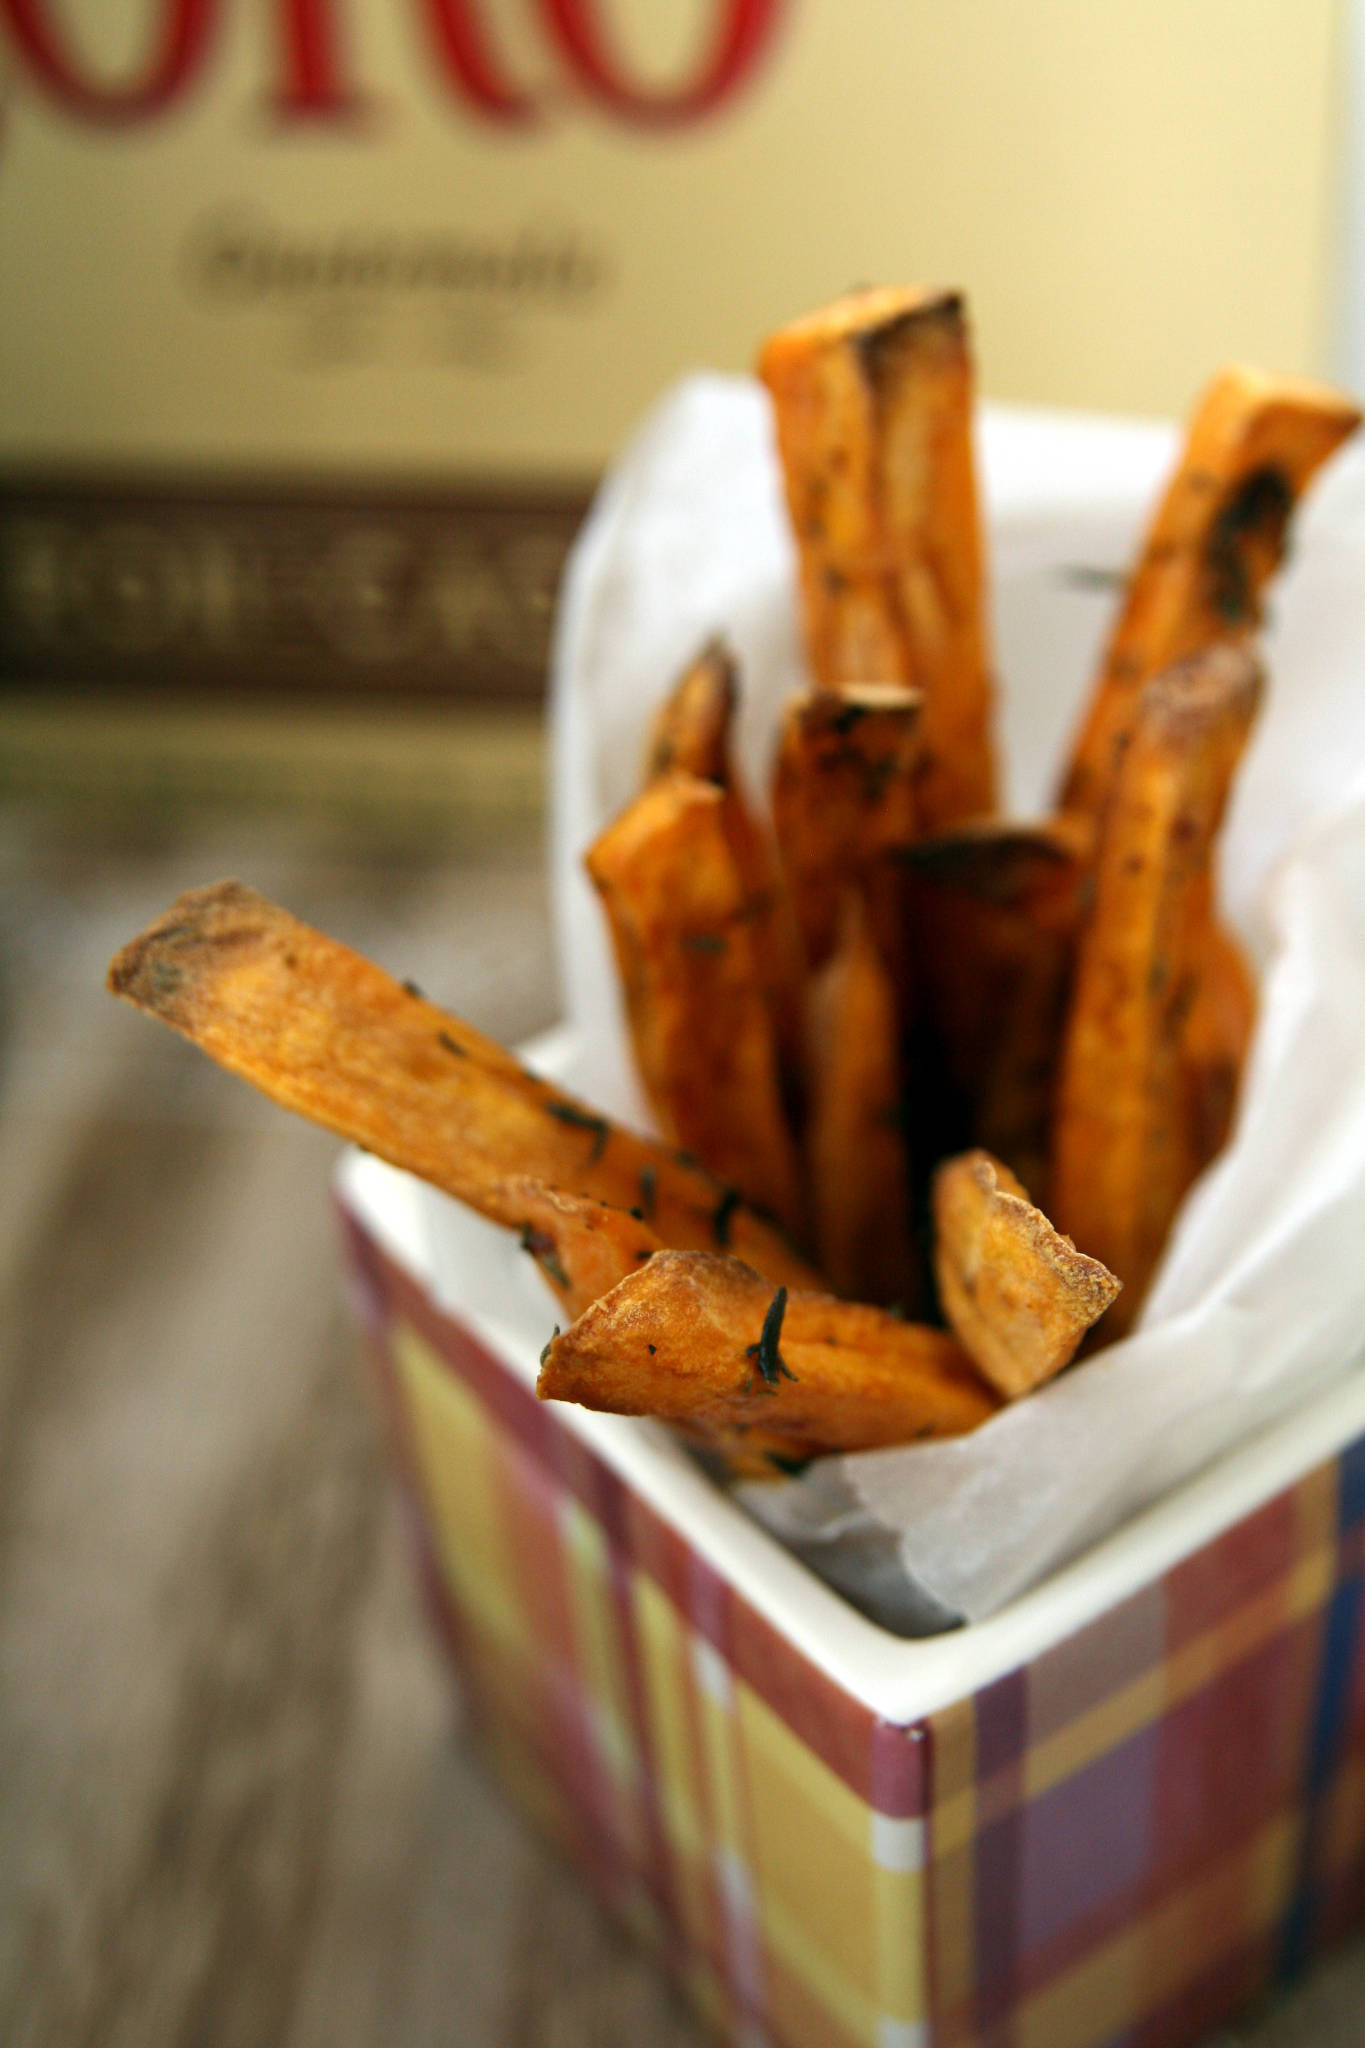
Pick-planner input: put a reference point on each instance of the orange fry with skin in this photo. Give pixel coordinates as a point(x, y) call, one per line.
point(703, 1340)
point(703, 1034)
point(1123, 1155)
point(1018, 1295)
point(855, 1140)
point(872, 401)
point(844, 795)
point(693, 733)
point(1252, 447)
point(325, 1032)
point(993, 910)
point(582, 1246)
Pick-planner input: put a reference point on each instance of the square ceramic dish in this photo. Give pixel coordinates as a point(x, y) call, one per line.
point(1102, 1818)
point(1108, 1815)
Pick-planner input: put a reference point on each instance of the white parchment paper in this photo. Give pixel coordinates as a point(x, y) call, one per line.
point(1261, 1295)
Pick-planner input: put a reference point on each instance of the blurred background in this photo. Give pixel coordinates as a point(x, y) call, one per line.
point(319, 321)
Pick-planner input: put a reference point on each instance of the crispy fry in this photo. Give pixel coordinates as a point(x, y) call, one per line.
point(703, 1034)
point(693, 733)
point(1216, 1034)
point(844, 795)
point(855, 1139)
point(701, 1339)
point(691, 730)
point(993, 911)
point(1251, 449)
point(1016, 1292)
point(326, 1033)
point(582, 1246)
point(873, 404)
point(1123, 1156)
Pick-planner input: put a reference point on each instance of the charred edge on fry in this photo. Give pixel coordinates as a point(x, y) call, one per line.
point(1258, 509)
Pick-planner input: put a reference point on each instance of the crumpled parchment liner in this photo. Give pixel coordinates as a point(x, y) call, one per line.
point(1261, 1296)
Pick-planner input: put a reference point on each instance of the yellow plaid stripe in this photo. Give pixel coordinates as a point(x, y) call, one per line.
point(456, 1445)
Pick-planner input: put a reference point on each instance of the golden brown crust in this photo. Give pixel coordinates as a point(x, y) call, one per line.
point(872, 400)
point(1123, 1155)
point(693, 733)
point(703, 1034)
point(583, 1247)
point(1018, 1294)
point(856, 1155)
point(845, 794)
point(1253, 445)
point(685, 1339)
point(993, 910)
point(325, 1032)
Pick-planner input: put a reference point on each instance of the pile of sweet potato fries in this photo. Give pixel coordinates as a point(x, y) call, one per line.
point(886, 1033)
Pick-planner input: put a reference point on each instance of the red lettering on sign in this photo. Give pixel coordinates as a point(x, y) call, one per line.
point(315, 86)
point(178, 53)
point(743, 30)
point(469, 62)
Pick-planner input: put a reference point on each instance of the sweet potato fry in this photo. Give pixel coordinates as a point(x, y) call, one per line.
point(1123, 1155)
point(1218, 535)
point(704, 1340)
point(845, 787)
point(872, 398)
point(326, 1033)
point(582, 1246)
point(703, 1034)
point(691, 730)
point(855, 1139)
point(992, 911)
point(692, 733)
point(1216, 1034)
point(1018, 1295)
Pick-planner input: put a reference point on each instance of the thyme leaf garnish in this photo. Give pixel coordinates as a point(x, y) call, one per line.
point(451, 1045)
point(649, 1182)
point(541, 1246)
point(583, 1120)
point(725, 1209)
point(765, 1354)
point(545, 1353)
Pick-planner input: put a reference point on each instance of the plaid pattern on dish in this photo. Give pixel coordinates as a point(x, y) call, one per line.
point(1112, 1847)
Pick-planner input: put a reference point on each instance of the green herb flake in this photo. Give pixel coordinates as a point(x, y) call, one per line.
point(542, 1248)
point(704, 942)
point(545, 1353)
point(769, 1360)
point(845, 719)
point(410, 988)
point(583, 1120)
point(725, 1209)
point(452, 1045)
point(649, 1188)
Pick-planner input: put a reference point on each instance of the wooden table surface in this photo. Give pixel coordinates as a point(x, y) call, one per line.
point(237, 1807)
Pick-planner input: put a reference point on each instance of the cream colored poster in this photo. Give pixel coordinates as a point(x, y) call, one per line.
point(463, 238)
